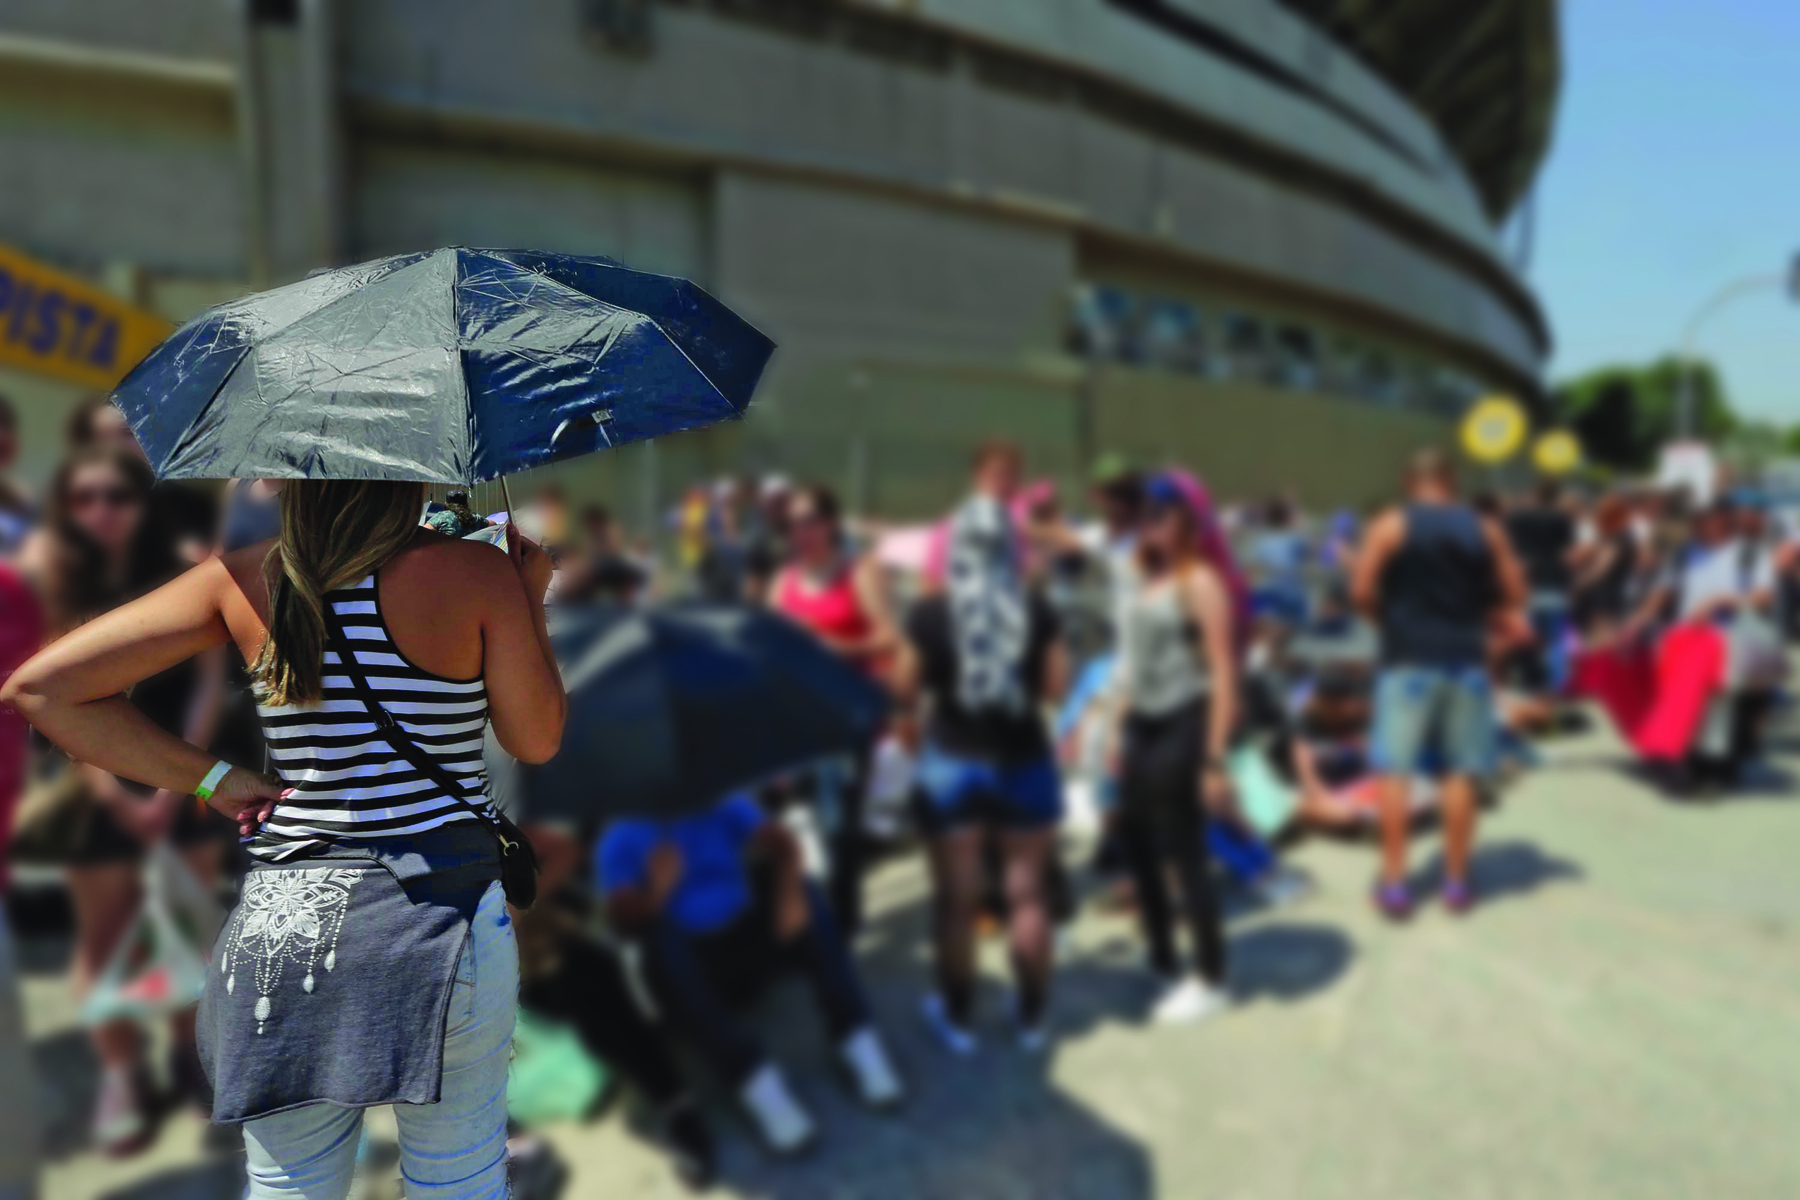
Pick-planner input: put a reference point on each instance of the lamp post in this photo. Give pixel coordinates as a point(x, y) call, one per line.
point(1718, 300)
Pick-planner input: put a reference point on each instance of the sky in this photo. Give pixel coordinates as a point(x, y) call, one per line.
point(1675, 169)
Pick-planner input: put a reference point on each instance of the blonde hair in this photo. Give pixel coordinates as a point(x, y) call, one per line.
point(333, 533)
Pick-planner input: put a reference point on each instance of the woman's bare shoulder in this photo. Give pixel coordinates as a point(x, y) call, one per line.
point(458, 566)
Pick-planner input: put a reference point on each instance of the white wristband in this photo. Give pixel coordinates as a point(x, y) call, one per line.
point(219, 771)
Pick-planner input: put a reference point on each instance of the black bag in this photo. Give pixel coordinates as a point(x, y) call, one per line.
point(518, 859)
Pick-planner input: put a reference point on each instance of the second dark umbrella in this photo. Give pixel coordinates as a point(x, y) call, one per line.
point(671, 709)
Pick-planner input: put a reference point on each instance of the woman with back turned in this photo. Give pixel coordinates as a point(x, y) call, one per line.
point(371, 959)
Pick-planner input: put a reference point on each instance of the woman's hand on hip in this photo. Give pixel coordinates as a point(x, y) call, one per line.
point(248, 797)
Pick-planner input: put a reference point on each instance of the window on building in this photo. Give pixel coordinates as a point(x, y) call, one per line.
point(1173, 336)
point(1103, 324)
point(1297, 358)
point(1244, 343)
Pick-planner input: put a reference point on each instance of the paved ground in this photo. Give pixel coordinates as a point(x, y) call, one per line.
point(1620, 1019)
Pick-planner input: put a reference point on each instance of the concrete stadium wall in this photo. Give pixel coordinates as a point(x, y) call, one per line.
point(738, 94)
point(1327, 450)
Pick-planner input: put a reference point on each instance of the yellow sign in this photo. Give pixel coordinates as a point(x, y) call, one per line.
point(60, 325)
point(1494, 430)
point(1557, 452)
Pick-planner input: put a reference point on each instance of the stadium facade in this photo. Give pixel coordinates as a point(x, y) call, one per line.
point(1263, 237)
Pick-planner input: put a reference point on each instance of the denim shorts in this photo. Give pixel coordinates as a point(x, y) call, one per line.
point(1434, 721)
point(954, 792)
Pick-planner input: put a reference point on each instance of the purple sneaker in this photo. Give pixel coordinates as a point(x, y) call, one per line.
point(1393, 901)
point(1457, 897)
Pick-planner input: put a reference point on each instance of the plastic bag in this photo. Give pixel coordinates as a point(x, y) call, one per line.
point(159, 965)
point(553, 1078)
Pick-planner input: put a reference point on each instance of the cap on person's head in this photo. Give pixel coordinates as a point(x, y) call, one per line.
point(1110, 469)
point(1160, 491)
point(457, 496)
point(774, 486)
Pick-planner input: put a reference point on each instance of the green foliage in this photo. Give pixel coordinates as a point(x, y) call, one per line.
point(1624, 414)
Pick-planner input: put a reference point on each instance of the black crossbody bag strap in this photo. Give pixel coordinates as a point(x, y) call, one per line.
point(518, 860)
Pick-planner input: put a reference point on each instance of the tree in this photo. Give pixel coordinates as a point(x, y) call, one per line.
point(1625, 414)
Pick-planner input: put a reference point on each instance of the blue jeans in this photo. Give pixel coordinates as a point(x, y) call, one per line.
point(452, 1150)
point(699, 979)
point(1434, 721)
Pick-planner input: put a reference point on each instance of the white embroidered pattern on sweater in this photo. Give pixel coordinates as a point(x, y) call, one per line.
point(287, 916)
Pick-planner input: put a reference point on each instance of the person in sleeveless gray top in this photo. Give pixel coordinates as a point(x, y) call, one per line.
point(1434, 576)
point(1179, 706)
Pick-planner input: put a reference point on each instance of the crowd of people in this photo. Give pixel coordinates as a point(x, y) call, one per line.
point(1197, 686)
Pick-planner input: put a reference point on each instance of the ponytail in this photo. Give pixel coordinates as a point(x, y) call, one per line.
point(333, 533)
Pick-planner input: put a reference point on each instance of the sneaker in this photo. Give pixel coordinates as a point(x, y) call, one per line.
point(121, 1117)
point(1190, 1002)
point(877, 1084)
point(1035, 1038)
point(956, 1039)
point(785, 1127)
point(690, 1145)
point(1457, 896)
point(1393, 901)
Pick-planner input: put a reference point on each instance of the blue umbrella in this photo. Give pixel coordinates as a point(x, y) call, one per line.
point(450, 366)
point(672, 708)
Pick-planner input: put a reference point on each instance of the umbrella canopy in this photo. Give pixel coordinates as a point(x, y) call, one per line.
point(451, 366)
point(673, 708)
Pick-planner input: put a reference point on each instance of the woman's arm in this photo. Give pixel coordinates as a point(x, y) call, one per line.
point(1210, 609)
point(73, 691)
point(526, 701)
point(884, 631)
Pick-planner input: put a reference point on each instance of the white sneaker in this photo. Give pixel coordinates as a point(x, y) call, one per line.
point(785, 1126)
point(956, 1039)
point(877, 1083)
point(1190, 1002)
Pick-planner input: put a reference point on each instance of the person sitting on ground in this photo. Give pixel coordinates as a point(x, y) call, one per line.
point(1328, 754)
point(457, 519)
point(713, 899)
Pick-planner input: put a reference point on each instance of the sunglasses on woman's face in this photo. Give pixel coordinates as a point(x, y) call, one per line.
point(108, 497)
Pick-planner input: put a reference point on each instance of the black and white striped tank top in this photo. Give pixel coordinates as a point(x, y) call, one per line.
point(348, 782)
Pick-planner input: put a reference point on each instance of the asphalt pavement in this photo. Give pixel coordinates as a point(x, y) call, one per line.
point(1619, 1018)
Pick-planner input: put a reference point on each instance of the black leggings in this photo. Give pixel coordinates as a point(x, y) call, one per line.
point(1162, 826)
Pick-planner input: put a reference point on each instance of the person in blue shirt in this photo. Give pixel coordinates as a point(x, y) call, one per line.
point(715, 900)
